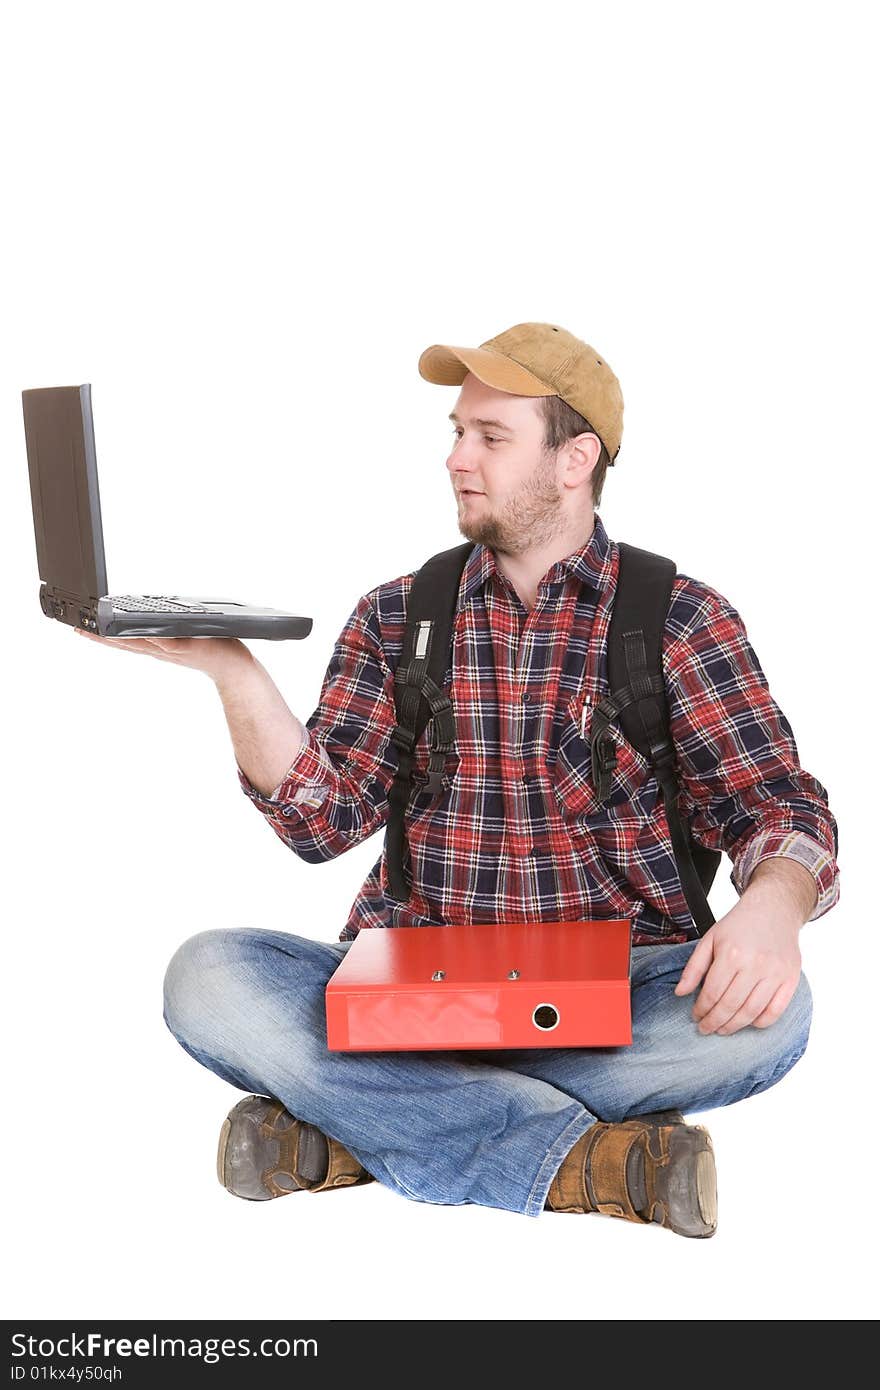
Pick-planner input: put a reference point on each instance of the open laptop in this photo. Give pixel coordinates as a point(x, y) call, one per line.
point(63, 466)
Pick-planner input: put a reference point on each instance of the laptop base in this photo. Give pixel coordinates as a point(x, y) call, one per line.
point(216, 618)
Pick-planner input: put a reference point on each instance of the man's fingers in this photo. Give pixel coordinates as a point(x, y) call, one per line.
point(128, 644)
point(714, 987)
point(144, 646)
point(698, 963)
point(712, 1016)
point(211, 655)
point(131, 644)
point(750, 1009)
point(778, 1004)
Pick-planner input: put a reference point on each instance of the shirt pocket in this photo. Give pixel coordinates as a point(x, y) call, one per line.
point(616, 820)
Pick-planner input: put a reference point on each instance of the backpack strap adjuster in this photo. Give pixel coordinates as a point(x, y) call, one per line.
point(403, 739)
point(662, 755)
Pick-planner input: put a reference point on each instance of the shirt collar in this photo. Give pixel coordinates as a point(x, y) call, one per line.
point(591, 564)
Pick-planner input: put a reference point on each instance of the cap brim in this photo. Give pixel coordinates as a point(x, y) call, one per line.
point(448, 366)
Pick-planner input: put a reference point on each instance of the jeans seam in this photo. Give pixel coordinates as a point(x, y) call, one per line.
point(547, 1171)
point(415, 1196)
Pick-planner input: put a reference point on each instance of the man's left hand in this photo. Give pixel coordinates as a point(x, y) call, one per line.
point(751, 961)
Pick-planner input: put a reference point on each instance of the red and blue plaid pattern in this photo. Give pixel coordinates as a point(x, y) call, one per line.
point(517, 833)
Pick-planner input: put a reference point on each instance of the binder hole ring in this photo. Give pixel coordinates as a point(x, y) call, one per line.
point(545, 1016)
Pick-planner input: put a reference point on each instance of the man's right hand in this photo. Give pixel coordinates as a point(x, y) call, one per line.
point(218, 657)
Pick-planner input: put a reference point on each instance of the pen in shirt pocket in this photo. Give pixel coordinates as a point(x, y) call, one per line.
point(584, 708)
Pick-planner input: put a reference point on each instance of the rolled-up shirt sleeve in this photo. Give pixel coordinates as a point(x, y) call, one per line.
point(742, 787)
point(335, 792)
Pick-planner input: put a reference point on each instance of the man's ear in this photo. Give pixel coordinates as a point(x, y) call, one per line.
point(582, 455)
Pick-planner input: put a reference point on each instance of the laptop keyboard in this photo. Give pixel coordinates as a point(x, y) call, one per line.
point(150, 603)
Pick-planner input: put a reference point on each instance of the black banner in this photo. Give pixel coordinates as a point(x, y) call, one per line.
point(134, 1353)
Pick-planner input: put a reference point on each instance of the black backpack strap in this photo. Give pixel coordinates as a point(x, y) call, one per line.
point(638, 697)
point(419, 696)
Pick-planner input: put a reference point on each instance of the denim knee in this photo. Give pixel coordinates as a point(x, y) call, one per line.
point(217, 977)
point(762, 1056)
point(191, 973)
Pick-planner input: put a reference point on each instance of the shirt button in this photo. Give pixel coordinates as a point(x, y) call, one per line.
point(526, 697)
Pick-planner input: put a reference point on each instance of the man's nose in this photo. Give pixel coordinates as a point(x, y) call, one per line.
point(461, 458)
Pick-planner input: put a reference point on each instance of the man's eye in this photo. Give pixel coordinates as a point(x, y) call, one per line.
point(491, 438)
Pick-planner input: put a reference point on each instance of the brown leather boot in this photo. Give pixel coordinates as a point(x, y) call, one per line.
point(649, 1168)
point(264, 1152)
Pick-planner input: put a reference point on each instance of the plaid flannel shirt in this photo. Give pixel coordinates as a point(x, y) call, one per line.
point(517, 833)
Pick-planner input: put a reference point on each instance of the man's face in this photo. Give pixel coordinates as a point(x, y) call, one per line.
point(507, 490)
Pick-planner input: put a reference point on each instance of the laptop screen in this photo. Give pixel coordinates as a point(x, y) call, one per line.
point(63, 468)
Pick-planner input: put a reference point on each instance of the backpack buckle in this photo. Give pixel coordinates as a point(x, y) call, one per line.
point(403, 739)
point(430, 781)
point(603, 760)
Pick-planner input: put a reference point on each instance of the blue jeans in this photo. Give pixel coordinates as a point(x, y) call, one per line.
point(455, 1127)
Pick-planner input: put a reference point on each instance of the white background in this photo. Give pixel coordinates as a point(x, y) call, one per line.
point(242, 225)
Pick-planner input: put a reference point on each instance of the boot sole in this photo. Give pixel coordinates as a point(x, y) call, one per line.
point(687, 1186)
point(236, 1136)
point(221, 1151)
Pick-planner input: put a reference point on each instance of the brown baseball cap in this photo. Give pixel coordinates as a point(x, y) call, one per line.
point(538, 359)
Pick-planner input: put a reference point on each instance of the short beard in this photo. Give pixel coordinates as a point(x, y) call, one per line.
point(532, 518)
